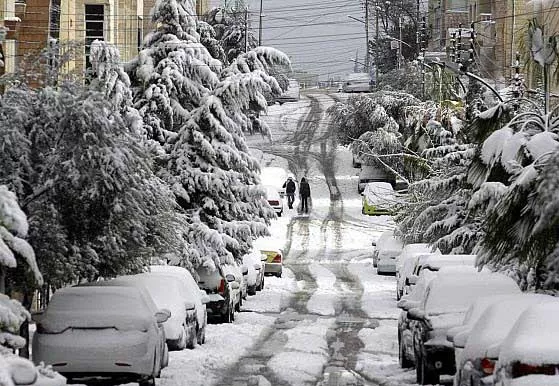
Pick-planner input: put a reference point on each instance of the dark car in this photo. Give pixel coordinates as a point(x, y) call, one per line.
point(222, 290)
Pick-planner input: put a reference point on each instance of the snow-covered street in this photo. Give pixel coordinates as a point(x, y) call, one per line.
point(330, 320)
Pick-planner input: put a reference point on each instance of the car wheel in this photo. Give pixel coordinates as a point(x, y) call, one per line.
point(239, 304)
point(252, 290)
point(232, 314)
point(201, 335)
point(193, 339)
point(279, 214)
point(405, 363)
point(425, 375)
point(149, 381)
point(279, 275)
point(226, 318)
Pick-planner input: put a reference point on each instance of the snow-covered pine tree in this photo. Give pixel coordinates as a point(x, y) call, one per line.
point(13, 230)
point(85, 180)
point(200, 113)
point(173, 71)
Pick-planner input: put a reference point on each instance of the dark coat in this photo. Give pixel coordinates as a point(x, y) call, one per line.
point(304, 189)
point(290, 187)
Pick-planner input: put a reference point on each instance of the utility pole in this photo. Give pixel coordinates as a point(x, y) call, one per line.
point(376, 44)
point(399, 42)
point(246, 29)
point(260, 25)
point(367, 54)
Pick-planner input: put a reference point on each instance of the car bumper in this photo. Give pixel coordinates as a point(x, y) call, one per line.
point(373, 210)
point(441, 359)
point(85, 352)
point(273, 268)
point(217, 308)
point(386, 267)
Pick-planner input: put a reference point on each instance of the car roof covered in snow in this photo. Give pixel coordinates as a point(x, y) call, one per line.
point(436, 262)
point(271, 192)
point(456, 292)
point(536, 380)
point(497, 320)
point(533, 339)
point(123, 308)
point(180, 272)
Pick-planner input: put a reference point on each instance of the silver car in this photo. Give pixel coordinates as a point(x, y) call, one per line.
point(95, 332)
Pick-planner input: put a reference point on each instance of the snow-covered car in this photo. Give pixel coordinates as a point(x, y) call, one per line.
point(387, 244)
point(168, 292)
point(239, 272)
point(274, 176)
point(406, 303)
point(223, 291)
point(481, 345)
point(274, 199)
point(102, 332)
point(193, 293)
point(444, 304)
point(255, 267)
point(528, 354)
point(435, 263)
point(475, 311)
point(373, 174)
point(18, 371)
point(405, 263)
point(378, 198)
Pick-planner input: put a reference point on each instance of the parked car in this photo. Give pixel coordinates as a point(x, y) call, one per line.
point(254, 263)
point(223, 291)
point(475, 311)
point(357, 82)
point(108, 332)
point(406, 354)
point(388, 245)
point(274, 261)
point(435, 262)
point(405, 264)
point(529, 354)
point(378, 198)
point(373, 174)
point(239, 273)
point(18, 371)
point(274, 199)
point(169, 293)
point(443, 306)
point(481, 345)
point(198, 296)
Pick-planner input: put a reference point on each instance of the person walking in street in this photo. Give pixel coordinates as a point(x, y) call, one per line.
point(305, 193)
point(290, 188)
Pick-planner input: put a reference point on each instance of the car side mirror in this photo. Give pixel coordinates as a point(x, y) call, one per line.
point(257, 267)
point(406, 304)
point(235, 285)
point(374, 244)
point(412, 280)
point(189, 306)
point(204, 298)
point(416, 314)
point(162, 315)
point(245, 270)
point(459, 340)
point(230, 278)
point(263, 257)
point(23, 371)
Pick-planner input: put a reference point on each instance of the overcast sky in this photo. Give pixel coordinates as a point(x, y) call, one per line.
point(317, 34)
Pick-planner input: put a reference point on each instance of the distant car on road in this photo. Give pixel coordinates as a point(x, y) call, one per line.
point(357, 82)
point(292, 94)
point(254, 262)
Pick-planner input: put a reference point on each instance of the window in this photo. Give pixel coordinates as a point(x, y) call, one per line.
point(140, 32)
point(94, 26)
